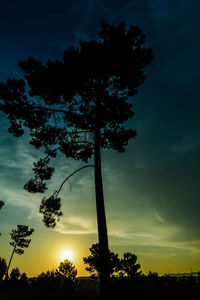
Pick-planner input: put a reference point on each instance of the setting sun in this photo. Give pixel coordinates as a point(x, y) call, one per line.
point(66, 254)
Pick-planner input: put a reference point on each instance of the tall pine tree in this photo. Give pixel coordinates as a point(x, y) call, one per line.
point(79, 105)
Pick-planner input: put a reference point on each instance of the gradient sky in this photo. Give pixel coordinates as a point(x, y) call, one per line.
point(152, 190)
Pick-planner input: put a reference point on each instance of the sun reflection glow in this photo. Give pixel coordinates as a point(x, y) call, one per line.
point(66, 254)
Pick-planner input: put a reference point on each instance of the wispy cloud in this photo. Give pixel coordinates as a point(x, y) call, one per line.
point(187, 144)
point(75, 226)
point(20, 199)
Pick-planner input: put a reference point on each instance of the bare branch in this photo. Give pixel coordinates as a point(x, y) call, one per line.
point(57, 192)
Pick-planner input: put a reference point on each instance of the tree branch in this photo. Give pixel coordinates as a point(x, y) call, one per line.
point(57, 192)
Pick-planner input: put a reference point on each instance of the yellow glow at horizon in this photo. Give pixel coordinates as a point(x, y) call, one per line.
point(66, 254)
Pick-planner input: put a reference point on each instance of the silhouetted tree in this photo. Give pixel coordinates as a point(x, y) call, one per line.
point(94, 261)
point(77, 106)
point(19, 241)
point(15, 274)
point(123, 267)
point(3, 267)
point(66, 269)
point(128, 266)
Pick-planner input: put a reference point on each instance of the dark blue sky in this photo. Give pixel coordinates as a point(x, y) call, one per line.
point(158, 176)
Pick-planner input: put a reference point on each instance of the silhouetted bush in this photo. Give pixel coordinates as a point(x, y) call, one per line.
point(50, 284)
point(155, 287)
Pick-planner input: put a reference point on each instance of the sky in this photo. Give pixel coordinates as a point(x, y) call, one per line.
point(151, 190)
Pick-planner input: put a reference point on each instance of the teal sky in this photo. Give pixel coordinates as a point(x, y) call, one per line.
point(152, 190)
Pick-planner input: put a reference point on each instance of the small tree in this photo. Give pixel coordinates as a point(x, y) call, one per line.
point(15, 274)
point(23, 278)
point(3, 267)
point(67, 270)
point(19, 241)
point(94, 262)
point(128, 266)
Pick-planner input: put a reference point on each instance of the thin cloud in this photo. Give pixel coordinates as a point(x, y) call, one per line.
point(75, 226)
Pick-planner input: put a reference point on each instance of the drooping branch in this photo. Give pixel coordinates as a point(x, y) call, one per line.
point(58, 191)
point(51, 207)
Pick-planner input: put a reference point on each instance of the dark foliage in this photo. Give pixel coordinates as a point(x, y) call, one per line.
point(125, 267)
point(50, 208)
point(155, 287)
point(19, 237)
point(66, 269)
point(69, 99)
point(78, 105)
point(15, 274)
point(94, 262)
point(24, 278)
point(58, 284)
point(49, 286)
point(3, 268)
point(128, 266)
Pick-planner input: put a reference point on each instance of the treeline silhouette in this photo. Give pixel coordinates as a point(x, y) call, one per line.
point(55, 284)
point(125, 281)
point(49, 285)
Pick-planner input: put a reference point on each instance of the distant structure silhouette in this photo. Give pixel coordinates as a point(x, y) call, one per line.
point(79, 105)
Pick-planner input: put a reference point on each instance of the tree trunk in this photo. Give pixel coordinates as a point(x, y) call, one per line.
point(10, 262)
point(101, 217)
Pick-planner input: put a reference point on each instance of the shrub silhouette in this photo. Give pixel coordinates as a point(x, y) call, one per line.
point(128, 266)
point(15, 274)
point(57, 283)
